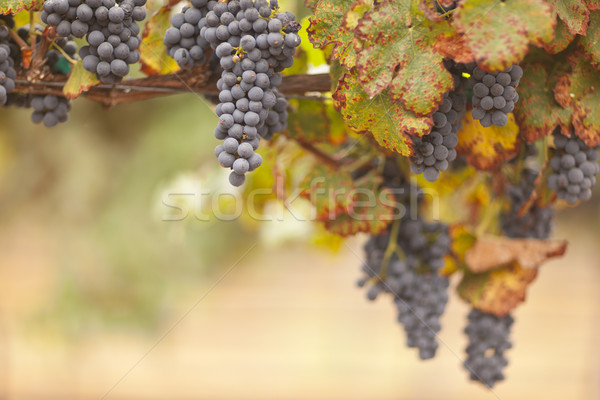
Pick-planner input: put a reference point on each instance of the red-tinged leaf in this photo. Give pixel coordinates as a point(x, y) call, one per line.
point(573, 13)
point(499, 32)
point(79, 81)
point(153, 56)
point(593, 4)
point(372, 213)
point(562, 39)
point(389, 123)
point(329, 191)
point(14, 6)
point(491, 252)
point(487, 148)
point(580, 91)
point(499, 291)
point(395, 48)
point(333, 22)
point(591, 42)
point(537, 112)
point(454, 47)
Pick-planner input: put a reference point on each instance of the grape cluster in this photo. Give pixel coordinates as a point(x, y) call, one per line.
point(419, 292)
point(434, 151)
point(253, 45)
point(574, 168)
point(50, 109)
point(110, 28)
point(7, 64)
point(183, 40)
point(536, 222)
point(494, 95)
point(489, 338)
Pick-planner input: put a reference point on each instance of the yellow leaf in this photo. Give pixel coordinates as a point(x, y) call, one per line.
point(487, 148)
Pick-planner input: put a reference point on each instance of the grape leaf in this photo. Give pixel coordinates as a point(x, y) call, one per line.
point(537, 112)
point(308, 120)
point(454, 47)
point(396, 43)
point(593, 4)
point(333, 22)
point(491, 252)
point(79, 81)
point(499, 32)
point(14, 6)
point(499, 291)
point(580, 90)
point(591, 42)
point(389, 123)
point(372, 213)
point(487, 148)
point(562, 39)
point(153, 56)
point(330, 192)
point(573, 13)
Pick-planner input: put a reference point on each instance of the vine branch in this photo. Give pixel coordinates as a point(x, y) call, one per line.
point(196, 81)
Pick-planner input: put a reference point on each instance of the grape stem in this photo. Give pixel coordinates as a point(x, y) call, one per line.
point(65, 55)
point(321, 155)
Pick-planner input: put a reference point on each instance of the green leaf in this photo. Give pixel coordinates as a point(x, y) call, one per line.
point(573, 13)
point(334, 22)
point(393, 40)
point(308, 120)
point(537, 112)
point(14, 6)
point(499, 32)
point(79, 81)
point(390, 124)
point(562, 39)
point(580, 91)
point(153, 56)
point(591, 42)
point(329, 191)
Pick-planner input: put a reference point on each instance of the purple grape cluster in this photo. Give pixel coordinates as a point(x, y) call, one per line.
point(434, 151)
point(7, 65)
point(536, 222)
point(489, 338)
point(419, 291)
point(494, 95)
point(183, 40)
point(50, 109)
point(574, 168)
point(253, 45)
point(110, 29)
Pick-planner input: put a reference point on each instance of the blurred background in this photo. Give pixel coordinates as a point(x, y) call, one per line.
point(110, 289)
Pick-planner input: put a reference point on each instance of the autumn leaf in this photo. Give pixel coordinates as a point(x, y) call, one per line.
point(499, 291)
point(537, 112)
point(562, 39)
point(333, 22)
point(395, 48)
point(580, 91)
point(372, 213)
point(329, 191)
point(454, 47)
point(591, 42)
point(14, 6)
point(573, 13)
point(499, 32)
point(79, 81)
point(153, 55)
point(308, 120)
point(487, 148)
point(389, 123)
point(492, 252)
